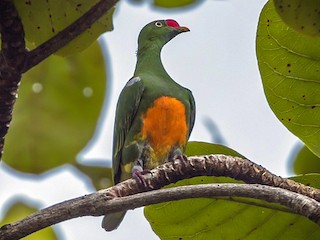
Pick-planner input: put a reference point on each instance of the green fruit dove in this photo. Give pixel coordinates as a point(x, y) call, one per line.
point(154, 115)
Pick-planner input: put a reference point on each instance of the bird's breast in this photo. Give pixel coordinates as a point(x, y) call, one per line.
point(164, 125)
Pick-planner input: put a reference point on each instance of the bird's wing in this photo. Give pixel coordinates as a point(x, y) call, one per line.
point(192, 116)
point(127, 106)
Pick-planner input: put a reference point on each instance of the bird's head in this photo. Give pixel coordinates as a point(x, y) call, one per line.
point(158, 33)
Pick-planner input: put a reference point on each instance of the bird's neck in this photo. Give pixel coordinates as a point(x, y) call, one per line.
point(149, 60)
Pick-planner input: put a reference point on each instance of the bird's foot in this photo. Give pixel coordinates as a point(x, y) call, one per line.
point(181, 158)
point(111, 194)
point(138, 172)
point(177, 154)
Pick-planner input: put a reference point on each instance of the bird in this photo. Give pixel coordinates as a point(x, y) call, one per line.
point(154, 114)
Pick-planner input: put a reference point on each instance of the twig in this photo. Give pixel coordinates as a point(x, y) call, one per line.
point(69, 33)
point(105, 201)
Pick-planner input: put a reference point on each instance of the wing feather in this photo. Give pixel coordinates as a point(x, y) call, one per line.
point(127, 107)
point(192, 116)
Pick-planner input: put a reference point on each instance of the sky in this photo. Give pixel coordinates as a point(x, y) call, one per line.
point(216, 60)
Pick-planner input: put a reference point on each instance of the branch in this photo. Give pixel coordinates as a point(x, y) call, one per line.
point(106, 201)
point(213, 165)
point(12, 36)
point(97, 204)
point(12, 58)
point(69, 33)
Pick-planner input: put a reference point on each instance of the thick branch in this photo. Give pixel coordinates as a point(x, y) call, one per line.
point(12, 57)
point(213, 165)
point(97, 204)
point(105, 201)
point(12, 36)
point(68, 34)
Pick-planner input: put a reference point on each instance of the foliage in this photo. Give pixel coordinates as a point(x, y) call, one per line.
point(58, 106)
point(228, 218)
point(174, 4)
point(289, 66)
point(44, 19)
point(306, 162)
point(203, 148)
point(302, 17)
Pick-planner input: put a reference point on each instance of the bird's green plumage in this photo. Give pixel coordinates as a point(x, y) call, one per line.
point(150, 82)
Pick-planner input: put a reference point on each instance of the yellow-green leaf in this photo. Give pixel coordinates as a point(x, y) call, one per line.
point(203, 148)
point(173, 4)
point(44, 19)
point(301, 15)
point(101, 177)
point(20, 209)
point(290, 70)
point(57, 111)
point(306, 162)
point(229, 218)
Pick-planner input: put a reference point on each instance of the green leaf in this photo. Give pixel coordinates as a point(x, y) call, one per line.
point(173, 4)
point(101, 177)
point(57, 111)
point(18, 210)
point(306, 162)
point(203, 148)
point(311, 179)
point(289, 66)
point(303, 16)
point(44, 19)
point(228, 218)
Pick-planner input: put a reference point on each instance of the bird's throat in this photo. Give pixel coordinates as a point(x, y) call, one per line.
point(149, 60)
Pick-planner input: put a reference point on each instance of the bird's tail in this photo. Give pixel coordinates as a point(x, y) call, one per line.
point(112, 221)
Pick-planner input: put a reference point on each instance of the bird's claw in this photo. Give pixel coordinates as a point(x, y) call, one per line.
point(180, 157)
point(111, 194)
point(137, 174)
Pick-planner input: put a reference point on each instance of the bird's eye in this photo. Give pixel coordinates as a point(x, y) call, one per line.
point(158, 24)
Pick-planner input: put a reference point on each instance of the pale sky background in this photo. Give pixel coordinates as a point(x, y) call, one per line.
point(217, 61)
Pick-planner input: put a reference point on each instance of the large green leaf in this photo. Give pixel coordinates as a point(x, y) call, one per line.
point(289, 66)
point(301, 15)
point(56, 112)
point(204, 148)
point(174, 4)
point(305, 162)
point(44, 19)
point(19, 209)
point(101, 177)
point(229, 218)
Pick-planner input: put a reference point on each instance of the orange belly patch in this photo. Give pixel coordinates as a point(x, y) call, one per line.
point(164, 125)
